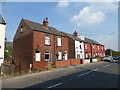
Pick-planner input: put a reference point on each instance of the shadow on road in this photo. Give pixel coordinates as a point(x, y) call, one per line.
point(92, 80)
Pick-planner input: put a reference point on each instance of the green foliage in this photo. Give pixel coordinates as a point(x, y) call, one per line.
point(8, 51)
point(114, 53)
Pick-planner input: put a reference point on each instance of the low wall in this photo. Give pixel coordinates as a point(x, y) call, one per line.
point(42, 65)
point(86, 61)
point(94, 60)
point(8, 69)
point(74, 61)
point(98, 59)
point(62, 63)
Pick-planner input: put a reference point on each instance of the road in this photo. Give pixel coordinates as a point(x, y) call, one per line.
point(93, 75)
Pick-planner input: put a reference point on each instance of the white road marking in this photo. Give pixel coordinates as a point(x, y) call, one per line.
point(88, 72)
point(55, 85)
point(106, 65)
point(95, 69)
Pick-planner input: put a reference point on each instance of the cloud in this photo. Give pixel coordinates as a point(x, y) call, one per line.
point(93, 14)
point(110, 41)
point(63, 3)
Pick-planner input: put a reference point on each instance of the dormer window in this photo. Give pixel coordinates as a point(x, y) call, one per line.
point(21, 29)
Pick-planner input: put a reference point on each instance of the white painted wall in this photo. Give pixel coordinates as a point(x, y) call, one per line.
point(66, 56)
point(2, 42)
point(94, 60)
point(86, 61)
point(60, 55)
point(79, 51)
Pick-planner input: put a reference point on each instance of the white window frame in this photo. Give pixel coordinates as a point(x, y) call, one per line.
point(47, 39)
point(85, 46)
point(59, 41)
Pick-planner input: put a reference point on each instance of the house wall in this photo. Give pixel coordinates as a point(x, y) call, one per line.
point(2, 42)
point(87, 52)
point(22, 48)
point(71, 48)
point(39, 43)
point(78, 50)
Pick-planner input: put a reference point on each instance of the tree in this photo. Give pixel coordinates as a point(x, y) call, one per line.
point(114, 53)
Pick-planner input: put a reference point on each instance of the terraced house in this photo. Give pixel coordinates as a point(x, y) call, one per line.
point(39, 46)
point(35, 44)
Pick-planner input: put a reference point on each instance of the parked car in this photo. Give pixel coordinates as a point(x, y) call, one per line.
point(116, 58)
point(108, 58)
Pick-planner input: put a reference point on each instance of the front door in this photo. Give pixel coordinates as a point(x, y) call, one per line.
point(60, 55)
point(37, 56)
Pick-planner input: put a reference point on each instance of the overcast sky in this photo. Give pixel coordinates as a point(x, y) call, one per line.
point(98, 21)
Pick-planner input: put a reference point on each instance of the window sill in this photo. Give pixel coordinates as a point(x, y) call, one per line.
point(47, 45)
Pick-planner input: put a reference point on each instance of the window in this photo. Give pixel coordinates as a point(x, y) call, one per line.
point(21, 29)
point(80, 51)
point(0, 47)
point(59, 41)
point(47, 40)
point(93, 46)
point(76, 47)
point(98, 47)
point(78, 56)
point(47, 56)
point(86, 46)
point(80, 47)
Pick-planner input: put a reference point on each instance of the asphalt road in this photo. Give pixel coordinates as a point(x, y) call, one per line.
point(101, 76)
point(94, 75)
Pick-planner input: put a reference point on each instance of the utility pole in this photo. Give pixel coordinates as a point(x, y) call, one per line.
point(109, 42)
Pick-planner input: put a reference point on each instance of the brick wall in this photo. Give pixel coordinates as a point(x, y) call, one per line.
point(74, 61)
point(22, 48)
point(71, 61)
point(62, 63)
point(42, 65)
point(98, 59)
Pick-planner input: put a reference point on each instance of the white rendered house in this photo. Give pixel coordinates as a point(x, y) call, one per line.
point(79, 49)
point(2, 39)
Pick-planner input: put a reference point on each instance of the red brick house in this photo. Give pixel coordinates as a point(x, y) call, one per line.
point(38, 43)
point(93, 48)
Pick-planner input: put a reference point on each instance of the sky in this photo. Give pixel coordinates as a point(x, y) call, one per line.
point(95, 20)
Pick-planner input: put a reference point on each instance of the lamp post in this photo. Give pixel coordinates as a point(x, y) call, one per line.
point(109, 42)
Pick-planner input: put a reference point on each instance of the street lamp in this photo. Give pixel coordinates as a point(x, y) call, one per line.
point(109, 42)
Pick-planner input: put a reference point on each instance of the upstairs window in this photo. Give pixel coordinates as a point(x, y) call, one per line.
point(98, 47)
point(86, 46)
point(21, 29)
point(80, 47)
point(47, 39)
point(59, 41)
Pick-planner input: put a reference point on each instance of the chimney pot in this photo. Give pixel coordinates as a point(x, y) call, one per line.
point(75, 34)
point(45, 23)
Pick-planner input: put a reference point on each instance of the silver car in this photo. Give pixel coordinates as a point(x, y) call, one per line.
point(108, 58)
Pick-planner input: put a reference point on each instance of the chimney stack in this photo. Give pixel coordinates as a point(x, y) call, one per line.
point(45, 23)
point(75, 34)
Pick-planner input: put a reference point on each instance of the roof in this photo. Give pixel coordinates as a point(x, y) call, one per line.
point(72, 36)
point(2, 21)
point(86, 39)
point(39, 27)
point(92, 41)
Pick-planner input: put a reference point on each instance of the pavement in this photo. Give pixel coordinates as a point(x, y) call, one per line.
point(93, 75)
